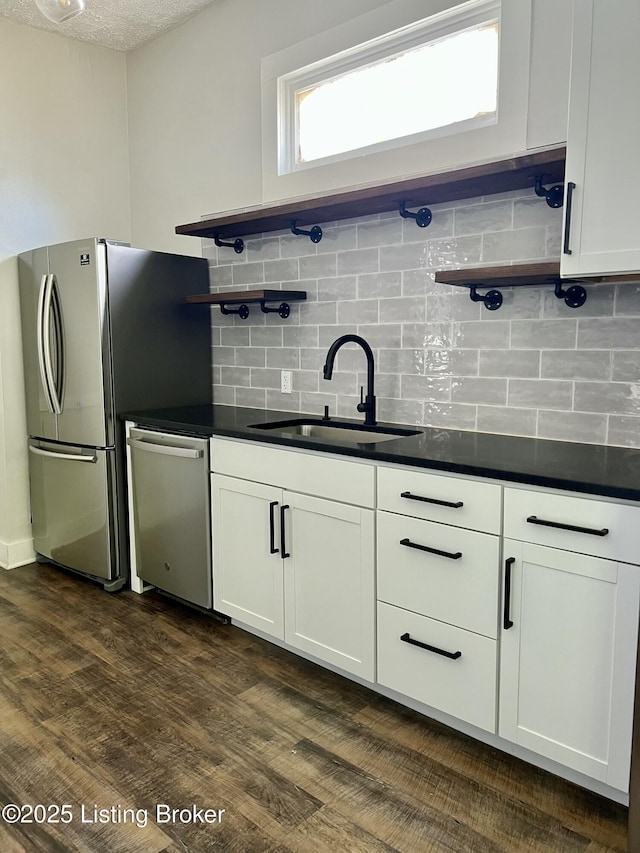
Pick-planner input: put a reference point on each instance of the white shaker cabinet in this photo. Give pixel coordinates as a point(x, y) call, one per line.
point(329, 582)
point(248, 570)
point(296, 566)
point(602, 179)
point(569, 631)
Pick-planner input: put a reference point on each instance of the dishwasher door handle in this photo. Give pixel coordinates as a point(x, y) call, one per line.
point(165, 449)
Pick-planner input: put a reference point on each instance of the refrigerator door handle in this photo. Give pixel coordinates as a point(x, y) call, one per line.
point(165, 449)
point(51, 300)
point(40, 331)
point(68, 457)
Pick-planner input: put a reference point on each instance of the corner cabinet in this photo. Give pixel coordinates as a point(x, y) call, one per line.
point(569, 633)
point(602, 178)
point(296, 563)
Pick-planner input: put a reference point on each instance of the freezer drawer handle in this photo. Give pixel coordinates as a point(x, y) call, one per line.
point(69, 457)
point(532, 519)
point(409, 544)
point(165, 449)
point(452, 655)
point(411, 497)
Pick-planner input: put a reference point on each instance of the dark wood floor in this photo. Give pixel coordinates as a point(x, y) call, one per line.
point(126, 701)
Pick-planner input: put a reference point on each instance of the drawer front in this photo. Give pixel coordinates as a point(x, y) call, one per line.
point(461, 590)
point(318, 474)
point(595, 527)
point(452, 500)
point(464, 687)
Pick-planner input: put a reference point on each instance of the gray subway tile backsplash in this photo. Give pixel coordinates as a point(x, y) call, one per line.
point(534, 368)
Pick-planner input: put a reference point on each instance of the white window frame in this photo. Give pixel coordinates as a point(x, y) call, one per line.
point(505, 137)
point(449, 22)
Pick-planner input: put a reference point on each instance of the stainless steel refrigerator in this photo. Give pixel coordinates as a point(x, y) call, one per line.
point(105, 330)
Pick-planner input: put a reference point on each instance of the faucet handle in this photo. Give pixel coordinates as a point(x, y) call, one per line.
point(362, 394)
point(326, 414)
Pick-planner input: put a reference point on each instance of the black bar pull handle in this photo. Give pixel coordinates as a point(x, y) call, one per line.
point(567, 218)
point(406, 638)
point(411, 497)
point(272, 528)
point(507, 623)
point(282, 534)
point(532, 519)
point(409, 544)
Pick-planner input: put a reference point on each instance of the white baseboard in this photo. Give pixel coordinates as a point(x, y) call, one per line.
point(15, 554)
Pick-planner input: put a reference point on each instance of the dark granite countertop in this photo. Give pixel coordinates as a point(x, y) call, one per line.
point(589, 468)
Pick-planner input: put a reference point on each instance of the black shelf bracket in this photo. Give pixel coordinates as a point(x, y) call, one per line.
point(554, 195)
point(283, 309)
point(422, 217)
point(237, 245)
point(492, 299)
point(242, 310)
point(574, 296)
point(315, 234)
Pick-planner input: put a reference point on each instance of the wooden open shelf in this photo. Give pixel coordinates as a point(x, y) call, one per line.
point(485, 179)
point(517, 275)
point(244, 298)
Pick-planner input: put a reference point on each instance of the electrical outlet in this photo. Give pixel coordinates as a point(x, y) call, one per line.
point(285, 381)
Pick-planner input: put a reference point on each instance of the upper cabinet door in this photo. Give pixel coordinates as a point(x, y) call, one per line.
point(602, 222)
point(80, 280)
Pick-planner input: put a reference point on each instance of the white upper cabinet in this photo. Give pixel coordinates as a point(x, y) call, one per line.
point(601, 211)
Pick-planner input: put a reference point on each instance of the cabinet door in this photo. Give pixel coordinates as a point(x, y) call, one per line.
point(247, 577)
point(602, 140)
point(568, 658)
point(329, 582)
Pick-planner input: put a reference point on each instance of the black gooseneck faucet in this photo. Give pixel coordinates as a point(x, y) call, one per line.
point(368, 405)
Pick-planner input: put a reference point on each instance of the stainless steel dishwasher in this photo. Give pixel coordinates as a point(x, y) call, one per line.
point(171, 517)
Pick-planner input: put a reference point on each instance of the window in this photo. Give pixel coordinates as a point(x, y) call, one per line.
point(413, 87)
point(434, 77)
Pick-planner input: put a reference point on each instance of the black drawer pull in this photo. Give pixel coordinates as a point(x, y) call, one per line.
point(534, 520)
point(282, 543)
point(411, 497)
point(409, 544)
point(452, 655)
point(272, 531)
point(506, 620)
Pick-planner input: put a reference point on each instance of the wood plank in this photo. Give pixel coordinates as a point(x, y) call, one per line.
point(515, 275)
point(468, 182)
point(237, 297)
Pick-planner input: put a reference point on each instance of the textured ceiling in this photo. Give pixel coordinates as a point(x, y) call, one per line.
point(119, 24)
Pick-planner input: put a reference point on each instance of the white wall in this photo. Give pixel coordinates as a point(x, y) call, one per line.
point(194, 110)
point(64, 174)
point(195, 105)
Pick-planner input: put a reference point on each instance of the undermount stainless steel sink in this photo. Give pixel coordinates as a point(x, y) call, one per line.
point(345, 433)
